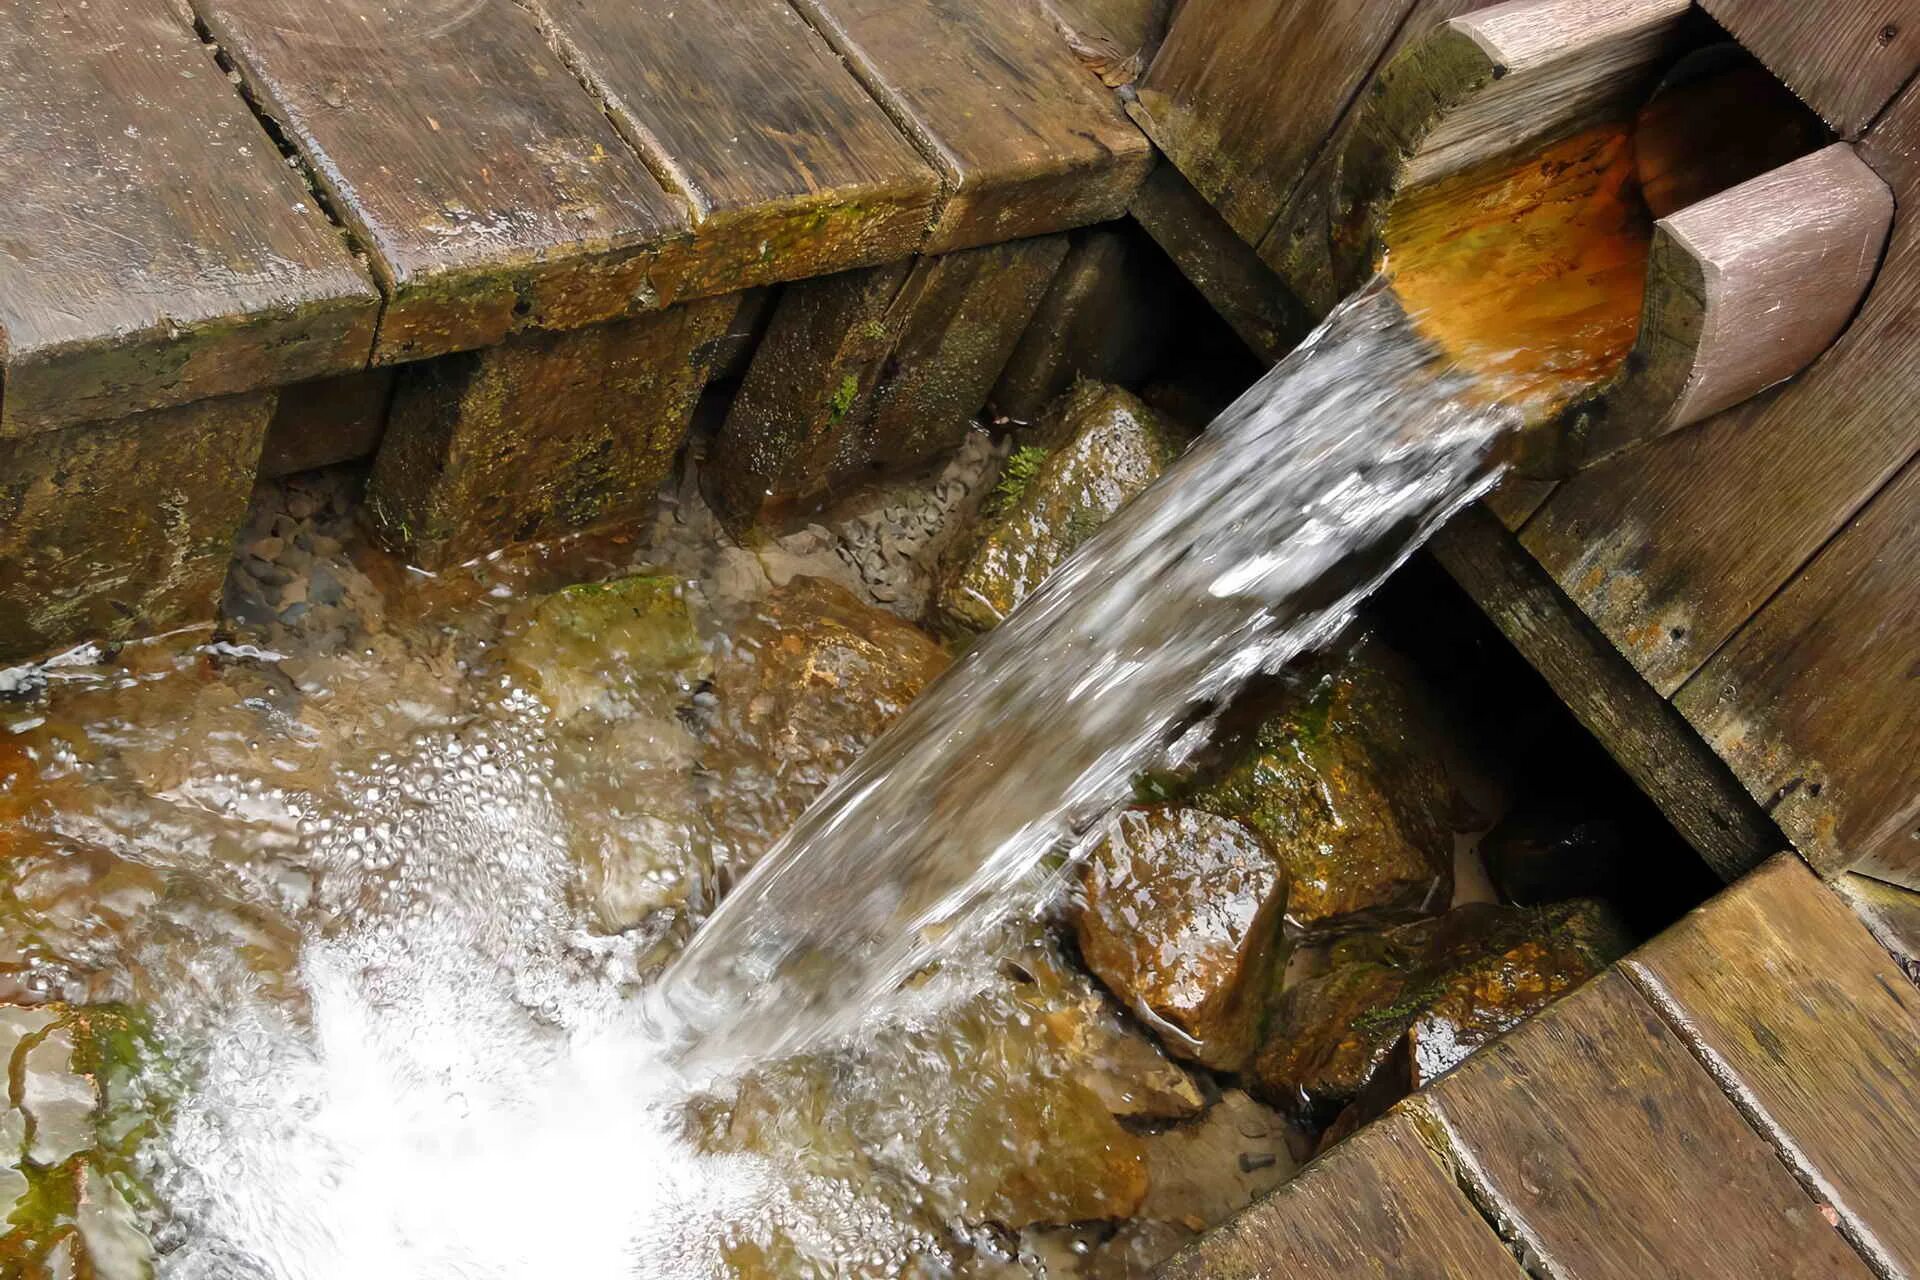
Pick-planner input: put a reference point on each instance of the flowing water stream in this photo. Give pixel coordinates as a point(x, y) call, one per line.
point(392, 1041)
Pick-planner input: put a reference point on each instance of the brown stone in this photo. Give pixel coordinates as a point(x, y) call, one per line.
point(1181, 920)
point(808, 681)
point(1345, 783)
point(113, 530)
point(1105, 447)
point(1203, 1173)
point(1401, 1008)
point(545, 434)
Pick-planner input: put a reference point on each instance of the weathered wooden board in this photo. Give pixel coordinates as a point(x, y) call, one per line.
point(1845, 58)
point(1380, 1204)
point(1891, 913)
point(1599, 1145)
point(327, 421)
point(154, 249)
point(1026, 139)
point(1816, 1032)
point(1243, 92)
point(1650, 739)
point(1256, 304)
point(546, 434)
point(1115, 38)
point(790, 166)
point(1670, 547)
point(1105, 317)
point(1517, 498)
point(1298, 246)
point(111, 530)
point(1815, 703)
point(490, 189)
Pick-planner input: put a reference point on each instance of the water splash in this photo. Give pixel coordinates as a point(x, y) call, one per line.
point(1254, 547)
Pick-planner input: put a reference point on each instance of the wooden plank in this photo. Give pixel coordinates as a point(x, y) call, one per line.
point(1891, 914)
point(1025, 138)
point(1845, 58)
point(1115, 38)
point(1243, 92)
point(1670, 547)
point(1299, 244)
point(1379, 1204)
point(1516, 499)
point(1600, 1146)
point(790, 167)
point(490, 190)
point(1255, 303)
point(1814, 702)
point(1815, 1032)
point(113, 530)
point(327, 421)
point(153, 248)
point(1651, 740)
point(544, 435)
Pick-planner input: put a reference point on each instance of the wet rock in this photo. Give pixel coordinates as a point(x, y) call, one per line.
point(1201, 1174)
point(1108, 447)
point(1548, 851)
point(1402, 1007)
point(1180, 918)
point(809, 680)
point(1344, 782)
point(605, 644)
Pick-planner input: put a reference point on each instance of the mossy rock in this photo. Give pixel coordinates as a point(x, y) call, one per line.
point(1346, 783)
point(1100, 448)
point(606, 643)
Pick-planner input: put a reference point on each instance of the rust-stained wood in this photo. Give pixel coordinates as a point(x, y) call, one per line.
point(1299, 245)
point(115, 530)
point(487, 185)
point(546, 434)
point(1815, 704)
point(1846, 58)
point(1243, 92)
point(154, 249)
point(1743, 290)
point(1815, 1033)
point(1602, 1148)
point(1488, 84)
point(1027, 141)
point(327, 421)
point(1670, 547)
point(1104, 317)
point(790, 167)
point(1380, 1204)
point(1256, 304)
point(1651, 740)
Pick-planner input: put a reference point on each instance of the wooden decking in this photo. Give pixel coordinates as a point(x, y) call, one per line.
point(1737, 1099)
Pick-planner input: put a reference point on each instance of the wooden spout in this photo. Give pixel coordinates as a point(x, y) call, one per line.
point(1507, 176)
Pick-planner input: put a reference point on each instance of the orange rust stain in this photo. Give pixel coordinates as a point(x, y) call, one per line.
point(1531, 275)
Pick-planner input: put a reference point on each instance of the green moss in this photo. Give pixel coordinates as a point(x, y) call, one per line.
point(1016, 477)
point(843, 397)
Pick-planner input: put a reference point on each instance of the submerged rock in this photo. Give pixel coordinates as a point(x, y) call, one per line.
point(604, 644)
point(1180, 918)
point(1203, 1173)
point(1353, 796)
point(812, 678)
point(1400, 1008)
point(1107, 447)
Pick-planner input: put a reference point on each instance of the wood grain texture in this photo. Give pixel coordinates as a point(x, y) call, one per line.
point(114, 530)
point(1026, 139)
point(490, 190)
point(1651, 740)
point(789, 165)
point(1670, 547)
point(1381, 1204)
point(1891, 913)
point(1298, 245)
point(1845, 58)
point(1815, 702)
point(1256, 304)
point(1243, 92)
point(1815, 1032)
point(544, 435)
point(1515, 501)
point(327, 421)
point(1115, 38)
point(153, 248)
point(1598, 1144)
